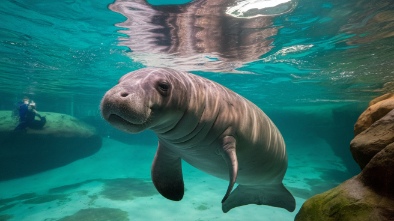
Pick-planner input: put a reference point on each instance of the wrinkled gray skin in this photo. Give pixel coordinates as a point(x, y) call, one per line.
point(206, 125)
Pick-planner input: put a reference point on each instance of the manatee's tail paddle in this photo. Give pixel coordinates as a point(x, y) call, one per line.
point(272, 195)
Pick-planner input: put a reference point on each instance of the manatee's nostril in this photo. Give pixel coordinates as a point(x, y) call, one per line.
point(124, 94)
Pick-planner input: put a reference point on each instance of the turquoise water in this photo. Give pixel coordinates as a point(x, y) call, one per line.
point(312, 69)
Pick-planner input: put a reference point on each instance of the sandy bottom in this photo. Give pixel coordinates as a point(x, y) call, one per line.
point(114, 184)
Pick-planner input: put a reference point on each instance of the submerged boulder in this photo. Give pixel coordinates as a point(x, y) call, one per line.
point(351, 200)
point(379, 173)
point(368, 196)
point(63, 140)
point(368, 143)
point(378, 108)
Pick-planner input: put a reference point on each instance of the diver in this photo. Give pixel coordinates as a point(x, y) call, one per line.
point(27, 116)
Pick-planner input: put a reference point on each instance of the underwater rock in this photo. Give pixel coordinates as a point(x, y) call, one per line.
point(381, 98)
point(378, 108)
point(351, 200)
point(63, 140)
point(368, 143)
point(367, 196)
point(379, 172)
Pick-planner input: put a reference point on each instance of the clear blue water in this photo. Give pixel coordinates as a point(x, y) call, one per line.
point(313, 70)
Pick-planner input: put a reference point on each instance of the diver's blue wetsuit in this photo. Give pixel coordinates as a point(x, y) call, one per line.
point(27, 119)
point(23, 117)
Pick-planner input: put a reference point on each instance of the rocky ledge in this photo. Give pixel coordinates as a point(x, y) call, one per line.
point(63, 140)
point(369, 196)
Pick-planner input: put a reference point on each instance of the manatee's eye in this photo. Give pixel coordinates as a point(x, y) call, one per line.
point(163, 87)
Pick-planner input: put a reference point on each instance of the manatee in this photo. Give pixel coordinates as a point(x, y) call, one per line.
point(208, 126)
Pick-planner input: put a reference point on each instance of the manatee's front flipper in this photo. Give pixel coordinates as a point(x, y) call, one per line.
point(272, 195)
point(230, 156)
point(167, 173)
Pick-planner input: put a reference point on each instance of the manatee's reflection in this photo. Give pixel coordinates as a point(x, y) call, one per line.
point(195, 36)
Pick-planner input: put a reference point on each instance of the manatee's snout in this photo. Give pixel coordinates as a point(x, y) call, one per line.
point(123, 109)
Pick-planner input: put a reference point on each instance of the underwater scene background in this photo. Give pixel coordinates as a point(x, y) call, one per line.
point(311, 66)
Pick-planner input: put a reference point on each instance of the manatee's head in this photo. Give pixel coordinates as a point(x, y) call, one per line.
point(150, 98)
